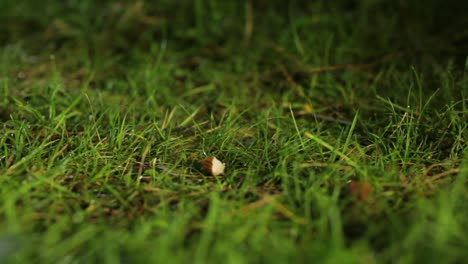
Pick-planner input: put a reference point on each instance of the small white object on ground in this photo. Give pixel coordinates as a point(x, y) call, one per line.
point(212, 166)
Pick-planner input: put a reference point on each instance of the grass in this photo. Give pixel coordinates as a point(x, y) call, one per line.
point(343, 127)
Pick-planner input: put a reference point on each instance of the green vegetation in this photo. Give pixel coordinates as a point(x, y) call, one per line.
point(343, 126)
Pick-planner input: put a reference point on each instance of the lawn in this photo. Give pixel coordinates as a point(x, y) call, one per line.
point(343, 126)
